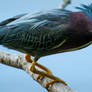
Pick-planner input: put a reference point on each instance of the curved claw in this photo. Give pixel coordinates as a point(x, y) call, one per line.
point(52, 82)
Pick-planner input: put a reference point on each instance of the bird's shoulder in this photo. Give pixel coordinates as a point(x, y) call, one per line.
point(40, 21)
point(59, 15)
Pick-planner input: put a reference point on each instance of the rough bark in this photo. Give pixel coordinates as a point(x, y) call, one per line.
point(19, 61)
point(64, 3)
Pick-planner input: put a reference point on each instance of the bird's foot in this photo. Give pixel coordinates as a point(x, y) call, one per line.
point(42, 74)
point(28, 59)
point(54, 81)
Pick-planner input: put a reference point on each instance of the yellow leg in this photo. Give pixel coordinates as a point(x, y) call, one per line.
point(28, 59)
point(47, 72)
point(55, 79)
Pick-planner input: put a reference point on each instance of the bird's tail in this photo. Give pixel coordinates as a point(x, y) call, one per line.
point(4, 29)
point(3, 33)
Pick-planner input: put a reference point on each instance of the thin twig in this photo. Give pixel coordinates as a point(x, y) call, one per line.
point(64, 3)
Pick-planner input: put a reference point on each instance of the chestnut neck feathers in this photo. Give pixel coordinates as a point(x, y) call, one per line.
point(82, 21)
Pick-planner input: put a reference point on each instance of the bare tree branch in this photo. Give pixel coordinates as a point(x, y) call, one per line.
point(64, 3)
point(19, 61)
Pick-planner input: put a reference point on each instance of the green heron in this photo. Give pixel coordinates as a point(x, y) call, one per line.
point(48, 32)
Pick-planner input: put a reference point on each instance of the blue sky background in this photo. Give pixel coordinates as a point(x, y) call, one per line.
point(73, 67)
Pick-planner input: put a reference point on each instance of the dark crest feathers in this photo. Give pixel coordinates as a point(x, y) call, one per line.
point(86, 10)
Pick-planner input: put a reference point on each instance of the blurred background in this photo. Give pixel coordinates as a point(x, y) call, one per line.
point(73, 67)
